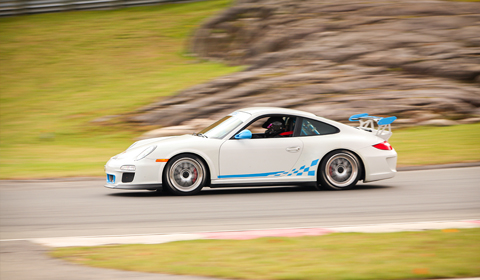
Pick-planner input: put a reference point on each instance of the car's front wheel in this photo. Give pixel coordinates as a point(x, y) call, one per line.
point(339, 170)
point(184, 175)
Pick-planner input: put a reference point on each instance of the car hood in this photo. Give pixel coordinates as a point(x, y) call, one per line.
point(136, 148)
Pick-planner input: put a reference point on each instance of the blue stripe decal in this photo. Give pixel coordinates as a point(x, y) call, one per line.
point(302, 171)
point(249, 175)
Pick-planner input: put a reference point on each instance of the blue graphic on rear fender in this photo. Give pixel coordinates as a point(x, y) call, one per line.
point(308, 171)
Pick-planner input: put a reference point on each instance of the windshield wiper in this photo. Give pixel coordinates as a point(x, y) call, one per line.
point(200, 134)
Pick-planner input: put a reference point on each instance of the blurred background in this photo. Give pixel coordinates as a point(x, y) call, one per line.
point(80, 81)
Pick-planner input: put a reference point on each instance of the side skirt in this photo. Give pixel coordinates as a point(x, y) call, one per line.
point(265, 184)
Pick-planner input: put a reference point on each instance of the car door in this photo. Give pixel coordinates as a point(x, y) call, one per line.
point(259, 157)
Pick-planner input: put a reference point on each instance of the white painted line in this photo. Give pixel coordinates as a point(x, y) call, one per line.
point(102, 240)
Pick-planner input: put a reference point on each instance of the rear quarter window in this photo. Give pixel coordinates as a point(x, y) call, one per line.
point(311, 127)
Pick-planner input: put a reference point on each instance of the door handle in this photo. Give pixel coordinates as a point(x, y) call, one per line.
point(293, 149)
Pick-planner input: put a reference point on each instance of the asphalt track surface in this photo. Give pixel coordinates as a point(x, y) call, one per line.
point(62, 208)
point(55, 208)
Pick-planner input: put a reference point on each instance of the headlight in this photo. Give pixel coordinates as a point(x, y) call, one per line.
point(127, 167)
point(146, 152)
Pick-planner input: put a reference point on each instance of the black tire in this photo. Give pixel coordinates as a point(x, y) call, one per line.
point(184, 175)
point(339, 170)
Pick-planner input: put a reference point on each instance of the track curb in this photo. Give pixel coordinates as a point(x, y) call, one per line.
point(447, 226)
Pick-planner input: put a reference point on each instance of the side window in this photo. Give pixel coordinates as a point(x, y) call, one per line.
point(312, 127)
point(275, 126)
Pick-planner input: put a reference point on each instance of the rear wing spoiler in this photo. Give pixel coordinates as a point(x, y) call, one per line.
point(367, 123)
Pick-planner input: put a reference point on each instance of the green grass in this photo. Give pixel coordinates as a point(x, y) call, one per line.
point(341, 256)
point(60, 71)
point(437, 145)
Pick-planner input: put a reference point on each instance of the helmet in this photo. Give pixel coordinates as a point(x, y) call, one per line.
point(274, 129)
point(271, 120)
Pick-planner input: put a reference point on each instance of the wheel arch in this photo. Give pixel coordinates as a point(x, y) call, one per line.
point(362, 175)
point(205, 163)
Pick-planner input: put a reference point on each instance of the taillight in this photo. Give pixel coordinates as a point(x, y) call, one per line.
point(383, 146)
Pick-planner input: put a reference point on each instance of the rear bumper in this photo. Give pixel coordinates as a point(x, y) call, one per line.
point(379, 164)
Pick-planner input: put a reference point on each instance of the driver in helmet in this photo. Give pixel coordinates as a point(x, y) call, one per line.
point(275, 126)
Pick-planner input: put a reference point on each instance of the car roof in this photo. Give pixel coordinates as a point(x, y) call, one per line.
point(274, 110)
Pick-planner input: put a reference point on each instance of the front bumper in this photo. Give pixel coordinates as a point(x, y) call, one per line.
point(147, 174)
point(134, 186)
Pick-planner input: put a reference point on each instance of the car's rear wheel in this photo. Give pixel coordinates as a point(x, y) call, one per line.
point(339, 170)
point(184, 175)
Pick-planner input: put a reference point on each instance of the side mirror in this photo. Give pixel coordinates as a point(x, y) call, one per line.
point(246, 134)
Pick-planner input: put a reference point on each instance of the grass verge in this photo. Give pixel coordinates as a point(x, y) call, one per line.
point(60, 71)
point(342, 256)
point(437, 145)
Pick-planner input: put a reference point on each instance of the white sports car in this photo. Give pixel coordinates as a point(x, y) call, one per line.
point(260, 147)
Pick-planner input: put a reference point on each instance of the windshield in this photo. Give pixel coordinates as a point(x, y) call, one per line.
point(221, 128)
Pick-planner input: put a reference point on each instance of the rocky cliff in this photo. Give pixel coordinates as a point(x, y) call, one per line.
point(418, 60)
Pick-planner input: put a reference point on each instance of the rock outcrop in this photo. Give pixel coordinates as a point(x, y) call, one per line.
point(418, 60)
